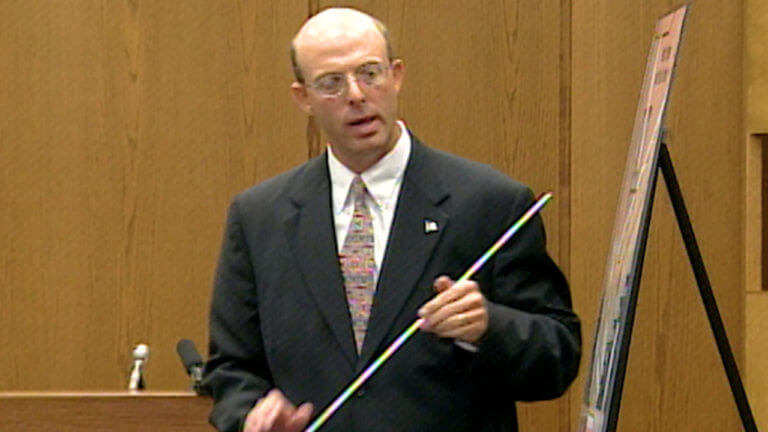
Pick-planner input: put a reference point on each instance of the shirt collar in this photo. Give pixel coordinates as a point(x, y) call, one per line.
point(380, 179)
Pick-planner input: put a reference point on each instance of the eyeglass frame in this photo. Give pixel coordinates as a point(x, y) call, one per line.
point(354, 75)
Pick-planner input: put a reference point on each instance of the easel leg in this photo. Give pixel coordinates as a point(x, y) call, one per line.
point(705, 289)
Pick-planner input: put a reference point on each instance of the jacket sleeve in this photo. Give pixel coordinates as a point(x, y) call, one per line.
point(533, 343)
point(236, 372)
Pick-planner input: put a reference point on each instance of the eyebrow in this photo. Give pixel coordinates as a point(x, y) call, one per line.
point(370, 62)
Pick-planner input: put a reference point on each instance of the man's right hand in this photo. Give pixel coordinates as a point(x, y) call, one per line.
point(275, 413)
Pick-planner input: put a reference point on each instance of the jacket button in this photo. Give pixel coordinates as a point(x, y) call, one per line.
point(360, 392)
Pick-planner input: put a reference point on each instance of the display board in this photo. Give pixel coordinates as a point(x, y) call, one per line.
point(602, 395)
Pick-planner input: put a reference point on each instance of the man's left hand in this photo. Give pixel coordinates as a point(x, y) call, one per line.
point(458, 311)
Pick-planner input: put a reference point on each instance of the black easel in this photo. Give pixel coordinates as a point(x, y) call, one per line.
point(705, 289)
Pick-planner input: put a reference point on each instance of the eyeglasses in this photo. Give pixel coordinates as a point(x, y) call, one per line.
point(335, 83)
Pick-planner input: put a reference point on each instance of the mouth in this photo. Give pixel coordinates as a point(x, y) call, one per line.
point(362, 121)
point(364, 126)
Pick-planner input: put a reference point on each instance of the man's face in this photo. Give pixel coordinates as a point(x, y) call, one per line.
point(360, 120)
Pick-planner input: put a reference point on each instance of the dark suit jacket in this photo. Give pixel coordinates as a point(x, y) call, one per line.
point(279, 315)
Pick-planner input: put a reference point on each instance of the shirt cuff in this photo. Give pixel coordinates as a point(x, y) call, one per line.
point(466, 346)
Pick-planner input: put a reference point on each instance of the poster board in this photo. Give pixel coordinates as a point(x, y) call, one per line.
point(602, 394)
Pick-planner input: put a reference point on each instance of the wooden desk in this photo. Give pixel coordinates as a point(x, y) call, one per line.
point(104, 412)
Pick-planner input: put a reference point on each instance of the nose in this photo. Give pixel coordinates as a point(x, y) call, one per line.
point(354, 91)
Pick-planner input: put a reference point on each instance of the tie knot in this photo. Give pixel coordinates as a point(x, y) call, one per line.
point(358, 188)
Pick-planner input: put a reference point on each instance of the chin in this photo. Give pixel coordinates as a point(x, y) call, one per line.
point(377, 142)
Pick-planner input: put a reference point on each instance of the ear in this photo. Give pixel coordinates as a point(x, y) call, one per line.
point(398, 73)
point(300, 96)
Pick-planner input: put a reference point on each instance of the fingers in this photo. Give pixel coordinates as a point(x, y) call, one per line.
point(275, 413)
point(466, 326)
point(263, 412)
point(442, 283)
point(273, 409)
point(458, 311)
point(452, 300)
point(301, 417)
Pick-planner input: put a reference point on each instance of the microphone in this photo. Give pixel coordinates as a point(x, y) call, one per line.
point(140, 356)
point(193, 364)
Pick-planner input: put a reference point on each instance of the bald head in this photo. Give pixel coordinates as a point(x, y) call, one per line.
point(330, 24)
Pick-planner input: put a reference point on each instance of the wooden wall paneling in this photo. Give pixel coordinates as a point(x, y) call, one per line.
point(56, 224)
point(756, 230)
point(485, 80)
point(756, 65)
point(224, 121)
point(125, 128)
point(675, 380)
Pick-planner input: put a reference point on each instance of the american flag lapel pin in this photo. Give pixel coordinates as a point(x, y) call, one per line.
point(430, 226)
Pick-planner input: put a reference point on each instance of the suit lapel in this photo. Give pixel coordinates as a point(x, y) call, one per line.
point(311, 235)
point(412, 239)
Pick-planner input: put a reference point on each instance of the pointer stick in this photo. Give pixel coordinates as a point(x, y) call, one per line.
point(404, 336)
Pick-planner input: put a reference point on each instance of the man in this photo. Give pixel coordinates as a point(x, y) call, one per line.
point(322, 267)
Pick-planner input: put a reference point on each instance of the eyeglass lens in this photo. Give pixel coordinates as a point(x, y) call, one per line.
point(333, 84)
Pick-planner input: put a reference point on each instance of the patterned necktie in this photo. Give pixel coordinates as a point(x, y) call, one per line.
point(358, 265)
